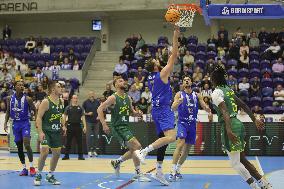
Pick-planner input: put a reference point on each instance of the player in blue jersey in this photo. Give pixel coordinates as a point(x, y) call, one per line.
point(163, 116)
point(19, 108)
point(186, 103)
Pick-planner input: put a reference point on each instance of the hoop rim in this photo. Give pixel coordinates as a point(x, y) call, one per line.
point(186, 7)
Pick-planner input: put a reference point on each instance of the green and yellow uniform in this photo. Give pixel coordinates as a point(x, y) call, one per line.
point(120, 119)
point(51, 124)
point(226, 94)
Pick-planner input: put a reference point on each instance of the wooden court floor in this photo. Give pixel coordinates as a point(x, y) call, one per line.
point(199, 173)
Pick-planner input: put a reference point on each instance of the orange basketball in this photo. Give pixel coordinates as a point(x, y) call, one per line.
point(172, 15)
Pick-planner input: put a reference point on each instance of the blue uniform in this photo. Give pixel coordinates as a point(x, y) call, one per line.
point(19, 113)
point(162, 114)
point(187, 116)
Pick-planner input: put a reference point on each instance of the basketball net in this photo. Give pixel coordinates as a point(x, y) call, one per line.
point(187, 13)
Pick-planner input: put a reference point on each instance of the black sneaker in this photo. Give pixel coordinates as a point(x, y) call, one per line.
point(66, 157)
point(81, 158)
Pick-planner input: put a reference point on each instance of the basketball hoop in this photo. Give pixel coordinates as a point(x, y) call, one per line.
point(187, 13)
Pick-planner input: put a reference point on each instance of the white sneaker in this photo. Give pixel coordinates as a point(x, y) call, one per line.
point(52, 180)
point(90, 154)
point(160, 177)
point(95, 154)
point(254, 186)
point(141, 178)
point(268, 186)
point(172, 177)
point(37, 180)
point(141, 154)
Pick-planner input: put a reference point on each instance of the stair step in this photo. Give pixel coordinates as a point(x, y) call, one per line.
point(99, 73)
point(108, 52)
point(100, 77)
point(103, 66)
point(100, 69)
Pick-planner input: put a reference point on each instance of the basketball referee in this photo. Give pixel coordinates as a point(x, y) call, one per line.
point(74, 114)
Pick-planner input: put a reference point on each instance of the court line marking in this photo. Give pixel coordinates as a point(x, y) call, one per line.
point(111, 181)
point(95, 181)
point(131, 180)
point(11, 172)
point(259, 165)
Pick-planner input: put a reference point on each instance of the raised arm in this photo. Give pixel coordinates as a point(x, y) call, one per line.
point(259, 124)
point(7, 116)
point(168, 69)
point(177, 101)
point(43, 107)
point(109, 102)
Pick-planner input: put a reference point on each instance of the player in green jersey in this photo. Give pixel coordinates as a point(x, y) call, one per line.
point(121, 108)
point(226, 104)
point(49, 123)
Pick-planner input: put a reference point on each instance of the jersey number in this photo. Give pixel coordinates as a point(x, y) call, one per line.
point(232, 100)
point(123, 119)
point(55, 127)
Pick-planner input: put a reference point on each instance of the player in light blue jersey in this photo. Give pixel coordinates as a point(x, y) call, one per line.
point(162, 114)
point(186, 103)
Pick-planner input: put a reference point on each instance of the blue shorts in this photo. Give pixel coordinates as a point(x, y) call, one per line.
point(21, 129)
point(187, 131)
point(164, 119)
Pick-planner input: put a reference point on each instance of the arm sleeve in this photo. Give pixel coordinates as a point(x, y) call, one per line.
point(217, 97)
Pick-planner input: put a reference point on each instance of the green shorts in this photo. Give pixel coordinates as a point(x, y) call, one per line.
point(52, 139)
point(239, 130)
point(122, 133)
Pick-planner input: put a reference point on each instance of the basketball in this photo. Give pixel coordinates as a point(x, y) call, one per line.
point(172, 15)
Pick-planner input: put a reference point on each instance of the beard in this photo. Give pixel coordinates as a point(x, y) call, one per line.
point(187, 86)
point(123, 88)
point(20, 91)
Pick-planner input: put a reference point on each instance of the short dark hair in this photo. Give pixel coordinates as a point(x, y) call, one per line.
point(18, 81)
point(184, 76)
